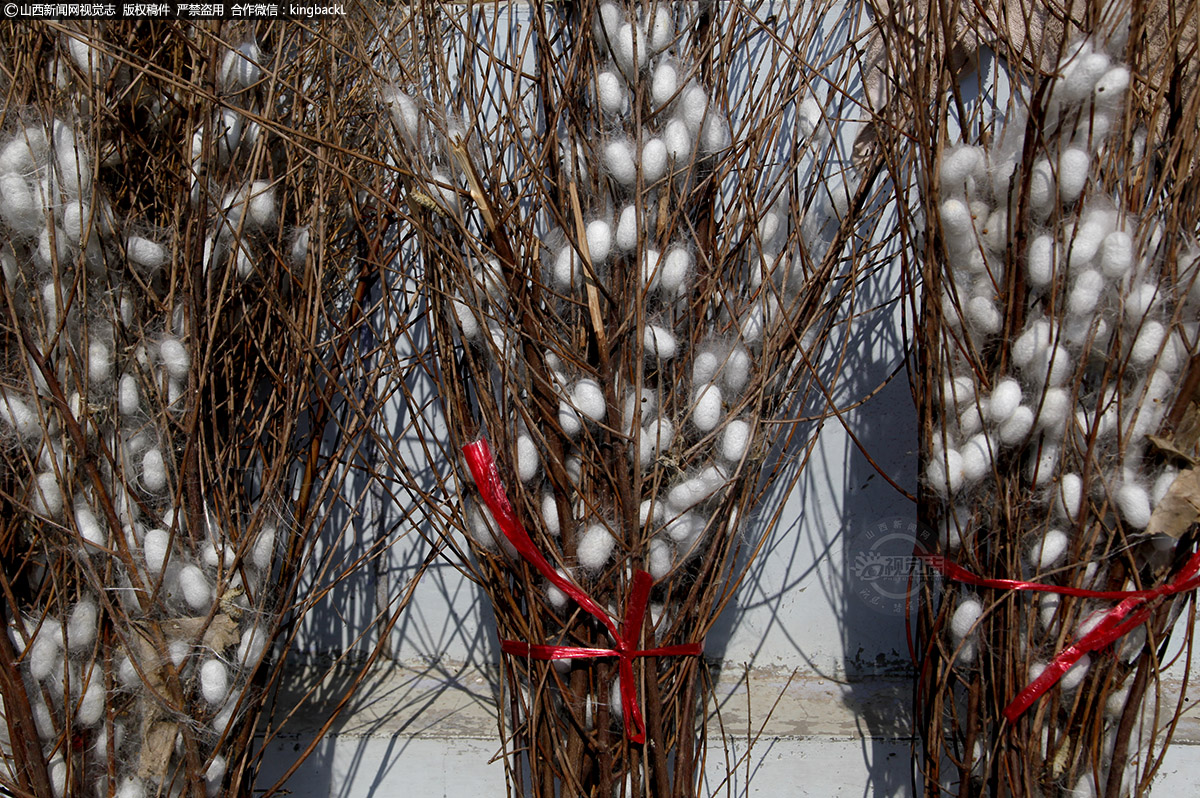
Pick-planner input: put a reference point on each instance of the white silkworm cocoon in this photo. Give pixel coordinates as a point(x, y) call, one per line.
point(131, 787)
point(1031, 343)
point(675, 269)
point(706, 407)
point(482, 528)
point(1111, 87)
point(646, 402)
point(251, 647)
point(659, 342)
point(687, 494)
point(1042, 186)
point(1006, 397)
point(1043, 464)
point(264, 548)
point(224, 718)
point(595, 547)
point(465, 316)
point(228, 133)
point(1048, 606)
point(18, 416)
point(47, 498)
point(945, 473)
point(599, 240)
point(1149, 340)
point(664, 84)
point(651, 270)
point(197, 591)
point(88, 525)
point(82, 625)
point(751, 323)
point(705, 367)
point(56, 770)
point(978, 453)
point(630, 50)
point(217, 556)
point(405, 113)
point(994, 233)
point(155, 547)
point(74, 219)
point(444, 191)
point(1163, 484)
point(650, 511)
point(53, 249)
point(654, 160)
point(660, 27)
point(960, 163)
point(1139, 302)
point(550, 519)
point(527, 458)
point(1073, 165)
point(261, 210)
point(20, 156)
point(178, 652)
point(715, 136)
point(175, 358)
point(568, 270)
point(735, 439)
point(43, 721)
point(214, 775)
point(18, 208)
point(127, 395)
point(144, 253)
point(1053, 367)
point(966, 615)
point(984, 316)
point(610, 91)
point(678, 140)
point(627, 229)
point(91, 703)
point(657, 437)
point(1116, 255)
point(100, 363)
point(214, 681)
point(127, 674)
point(620, 162)
point(568, 420)
point(300, 242)
point(693, 107)
point(1134, 501)
point(154, 471)
point(588, 398)
point(1074, 675)
point(1017, 426)
point(658, 558)
point(1068, 499)
point(1085, 293)
point(1048, 550)
point(685, 528)
point(737, 369)
point(241, 67)
point(43, 653)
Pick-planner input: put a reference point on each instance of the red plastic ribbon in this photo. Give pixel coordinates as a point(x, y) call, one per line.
point(487, 478)
point(1131, 612)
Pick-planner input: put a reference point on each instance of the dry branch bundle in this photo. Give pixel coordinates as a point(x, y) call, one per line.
point(635, 228)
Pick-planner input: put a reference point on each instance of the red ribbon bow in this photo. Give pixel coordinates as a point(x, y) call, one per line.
point(1130, 613)
point(487, 478)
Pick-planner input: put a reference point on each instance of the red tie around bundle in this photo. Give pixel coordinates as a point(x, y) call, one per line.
point(487, 478)
point(1131, 612)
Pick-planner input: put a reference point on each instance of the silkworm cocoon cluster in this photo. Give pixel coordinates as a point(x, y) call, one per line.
point(610, 90)
point(657, 437)
point(627, 229)
point(599, 240)
point(659, 342)
point(588, 398)
point(1048, 550)
point(46, 499)
point(197, 591)
point(735, 439)
point(1147, 344)
point(18, 416)
point(1069, 496)
point(155, 547)
point(550, 520)
point(145, 254)
point(527, 458)
point(82, 625)
point(1073, 165)
point(966, 615)
point(659, 558)
point(1006, 398)
point(214, 681)
point(706, 407)
point(620, 162)
point(154, 471)
point(175, 358)
point(945, 473)
point(18, 208)
point(1134, 501)
point(595, 546)
point(88, 525)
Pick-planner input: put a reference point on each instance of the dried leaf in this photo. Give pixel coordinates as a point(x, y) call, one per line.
point(1180, 508)
point(158, 743)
